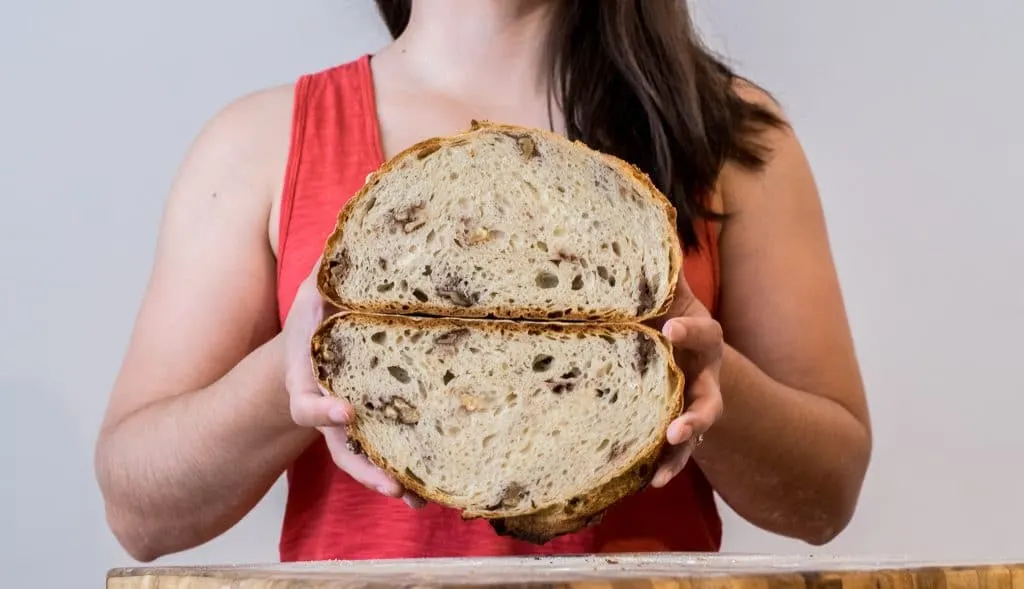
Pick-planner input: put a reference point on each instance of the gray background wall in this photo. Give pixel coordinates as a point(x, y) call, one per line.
point(910, 112)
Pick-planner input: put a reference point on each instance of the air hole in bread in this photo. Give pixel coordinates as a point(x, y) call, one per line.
point(379, 337)
point(546, 280)
point(645, 352)
point(400, 374)
point(448, 377)
point(386, 287)
point(602, 272)
point(541, 246)
point(339, 266)
point(616, 248)
point(645, 296)
point(420, 295)
point(542, 363)
point(577, 282)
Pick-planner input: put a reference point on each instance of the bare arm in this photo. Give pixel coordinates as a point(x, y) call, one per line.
point(198, 426)
point(792, 446)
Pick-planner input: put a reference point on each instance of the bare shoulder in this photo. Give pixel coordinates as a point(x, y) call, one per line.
point(786, 163)
point(245, 142)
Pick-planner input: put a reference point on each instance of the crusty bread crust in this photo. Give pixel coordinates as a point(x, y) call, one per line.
point(535, 523)
point(326, 280)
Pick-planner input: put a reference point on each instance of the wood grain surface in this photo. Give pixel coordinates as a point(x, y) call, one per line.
point(664, 571)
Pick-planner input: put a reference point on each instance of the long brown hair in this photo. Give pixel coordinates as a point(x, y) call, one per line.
point(634, 80)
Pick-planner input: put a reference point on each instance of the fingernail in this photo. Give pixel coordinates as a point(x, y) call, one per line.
point(674, 330)
point(681, 431)
point(338, 414)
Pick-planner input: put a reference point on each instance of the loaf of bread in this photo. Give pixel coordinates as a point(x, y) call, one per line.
point(536, 426)
point(506, 222)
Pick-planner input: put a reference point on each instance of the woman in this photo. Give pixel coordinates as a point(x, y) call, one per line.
point(214, 400)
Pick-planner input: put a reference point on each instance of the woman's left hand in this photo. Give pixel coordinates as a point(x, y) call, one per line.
point(698, 345)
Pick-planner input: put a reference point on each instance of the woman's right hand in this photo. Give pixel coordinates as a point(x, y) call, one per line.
point(312, 407)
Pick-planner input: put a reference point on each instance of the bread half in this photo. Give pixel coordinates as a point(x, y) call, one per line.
point(506, 222)
point(538, 427)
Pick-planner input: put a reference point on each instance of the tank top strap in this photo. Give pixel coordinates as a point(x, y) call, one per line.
point(335, 144)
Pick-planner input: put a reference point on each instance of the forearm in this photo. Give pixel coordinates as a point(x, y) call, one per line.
point(788, 461)
point(182, 471)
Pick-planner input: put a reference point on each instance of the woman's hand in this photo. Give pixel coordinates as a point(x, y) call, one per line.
point(311, 407)
point(697, 342)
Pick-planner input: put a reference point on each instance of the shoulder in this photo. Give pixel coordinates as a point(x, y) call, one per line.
point(243, 150)
point(750, 92)
point(250, 128)
point(785, 162)
point(243, 137)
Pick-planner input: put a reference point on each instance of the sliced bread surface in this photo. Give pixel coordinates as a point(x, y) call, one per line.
point(538, 427)
point(507, 222)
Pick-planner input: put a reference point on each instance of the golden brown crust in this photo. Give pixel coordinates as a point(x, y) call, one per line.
point(541, 521)
point(625, 169)
point(587, 510)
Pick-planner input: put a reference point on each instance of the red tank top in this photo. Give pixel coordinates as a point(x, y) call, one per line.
point(335, 143)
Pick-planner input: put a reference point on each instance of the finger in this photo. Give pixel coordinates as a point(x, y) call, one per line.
point(706, 404)
point(703, 410)
point(700, 334)
point(318, 411)
point(679, 431)
point(358, 467)
point(673, 463)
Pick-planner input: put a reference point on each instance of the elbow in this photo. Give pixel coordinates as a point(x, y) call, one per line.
point(828, 525)
point(839, 502)
point(825, 530)
point(133, 531)
point(134, 535)
point(820, 519)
